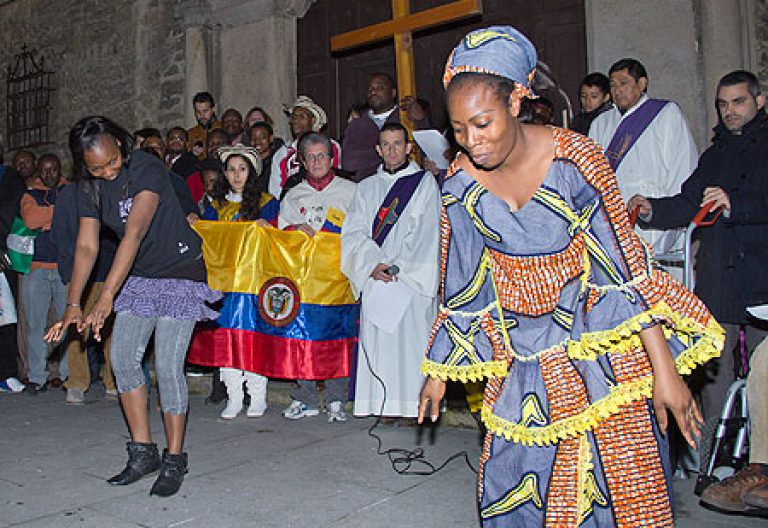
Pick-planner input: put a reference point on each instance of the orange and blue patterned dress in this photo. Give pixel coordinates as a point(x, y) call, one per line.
point(547, 303)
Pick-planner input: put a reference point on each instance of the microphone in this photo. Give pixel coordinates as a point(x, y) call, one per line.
point(393, 270)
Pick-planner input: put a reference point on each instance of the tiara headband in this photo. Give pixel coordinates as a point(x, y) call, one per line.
point(250, 153)
point(497, 50)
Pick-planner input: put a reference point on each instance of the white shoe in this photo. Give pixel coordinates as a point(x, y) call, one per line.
point(233, 379)
point(11, 385)
point(233, 408)
point(257, 388)
point(298, 410)
point(336, 412)
point(75, 397)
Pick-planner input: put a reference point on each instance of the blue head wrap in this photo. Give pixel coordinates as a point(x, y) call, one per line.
point(496, 50)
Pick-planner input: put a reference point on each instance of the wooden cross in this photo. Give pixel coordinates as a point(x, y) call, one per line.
point(401, 27)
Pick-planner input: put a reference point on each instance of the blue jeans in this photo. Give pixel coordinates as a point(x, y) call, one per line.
point(41, 289)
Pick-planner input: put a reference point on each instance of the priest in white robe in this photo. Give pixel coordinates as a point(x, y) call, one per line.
point(662, 157)
point(408, 253)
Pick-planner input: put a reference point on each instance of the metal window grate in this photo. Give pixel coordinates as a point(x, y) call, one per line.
point(28, 106)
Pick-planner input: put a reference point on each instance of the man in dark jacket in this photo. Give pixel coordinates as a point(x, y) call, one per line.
point(732, 261)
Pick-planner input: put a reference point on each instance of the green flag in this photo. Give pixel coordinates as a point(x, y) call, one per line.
point(21, 245)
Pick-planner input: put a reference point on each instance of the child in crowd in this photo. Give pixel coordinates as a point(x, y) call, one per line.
point(237, 196)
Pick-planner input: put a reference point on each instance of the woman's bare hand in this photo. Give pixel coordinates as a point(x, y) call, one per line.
point(670, 393)
point(72, 315)
point(101, 310)
point(431, 394)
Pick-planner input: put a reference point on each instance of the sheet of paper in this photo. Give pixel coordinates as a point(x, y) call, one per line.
point(434, 144)
point(384, 304)
point(761, 312)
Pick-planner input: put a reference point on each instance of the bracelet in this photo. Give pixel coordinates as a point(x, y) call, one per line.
point(73, 305)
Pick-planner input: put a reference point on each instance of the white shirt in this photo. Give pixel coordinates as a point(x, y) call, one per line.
point(305, 205)
point(381, 118)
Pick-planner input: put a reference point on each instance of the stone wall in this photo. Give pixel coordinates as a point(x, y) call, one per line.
point(121, 59)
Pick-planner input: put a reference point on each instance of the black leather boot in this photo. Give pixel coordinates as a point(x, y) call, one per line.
point(172, 472)
point(143, 459)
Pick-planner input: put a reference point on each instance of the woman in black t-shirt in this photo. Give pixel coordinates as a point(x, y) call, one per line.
point(160, 276)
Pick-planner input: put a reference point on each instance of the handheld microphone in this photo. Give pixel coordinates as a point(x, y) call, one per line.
point(393, 270)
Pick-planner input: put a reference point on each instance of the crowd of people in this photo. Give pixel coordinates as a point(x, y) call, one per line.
point(517, 266)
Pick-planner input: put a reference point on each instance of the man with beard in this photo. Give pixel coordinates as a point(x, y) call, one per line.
point(731, 272)
point(362, 134)
point(205, 113)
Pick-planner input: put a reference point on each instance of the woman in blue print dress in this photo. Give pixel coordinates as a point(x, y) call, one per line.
point(548, 293)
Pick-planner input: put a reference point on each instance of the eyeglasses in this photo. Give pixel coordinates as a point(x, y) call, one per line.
point(311, 158)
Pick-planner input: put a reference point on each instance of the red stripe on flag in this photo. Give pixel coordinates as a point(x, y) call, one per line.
point(272, 356)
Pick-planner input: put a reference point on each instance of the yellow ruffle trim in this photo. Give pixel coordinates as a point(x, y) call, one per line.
point(476, 372)
point(574, 425)
point(621, 339)
point(618, 396)
point(625, 337)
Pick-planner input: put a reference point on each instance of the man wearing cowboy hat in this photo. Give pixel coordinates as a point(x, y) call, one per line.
point(304, 116)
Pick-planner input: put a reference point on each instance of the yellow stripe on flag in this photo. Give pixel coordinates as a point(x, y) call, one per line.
point(242, 256)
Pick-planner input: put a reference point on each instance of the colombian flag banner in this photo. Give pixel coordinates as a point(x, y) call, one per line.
point(288, 310)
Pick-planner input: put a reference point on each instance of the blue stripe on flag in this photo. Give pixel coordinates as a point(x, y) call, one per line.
point(313, 322)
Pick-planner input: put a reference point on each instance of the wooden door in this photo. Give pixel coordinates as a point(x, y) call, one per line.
point(556, 27)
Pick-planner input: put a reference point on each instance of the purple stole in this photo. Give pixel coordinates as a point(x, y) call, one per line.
point(393, 205)
point(631, 129)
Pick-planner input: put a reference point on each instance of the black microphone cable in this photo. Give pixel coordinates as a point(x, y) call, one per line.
point(405, 461)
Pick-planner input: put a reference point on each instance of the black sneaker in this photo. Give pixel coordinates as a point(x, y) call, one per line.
point(33, 389)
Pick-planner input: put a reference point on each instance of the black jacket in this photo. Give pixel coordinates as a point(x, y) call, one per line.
point(583, 120)
point(185, 164)
point(732, 262)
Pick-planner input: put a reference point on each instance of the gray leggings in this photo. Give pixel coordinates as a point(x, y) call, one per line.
point(129, 342)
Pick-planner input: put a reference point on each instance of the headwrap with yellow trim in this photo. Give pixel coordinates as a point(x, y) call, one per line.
point(496, 50)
